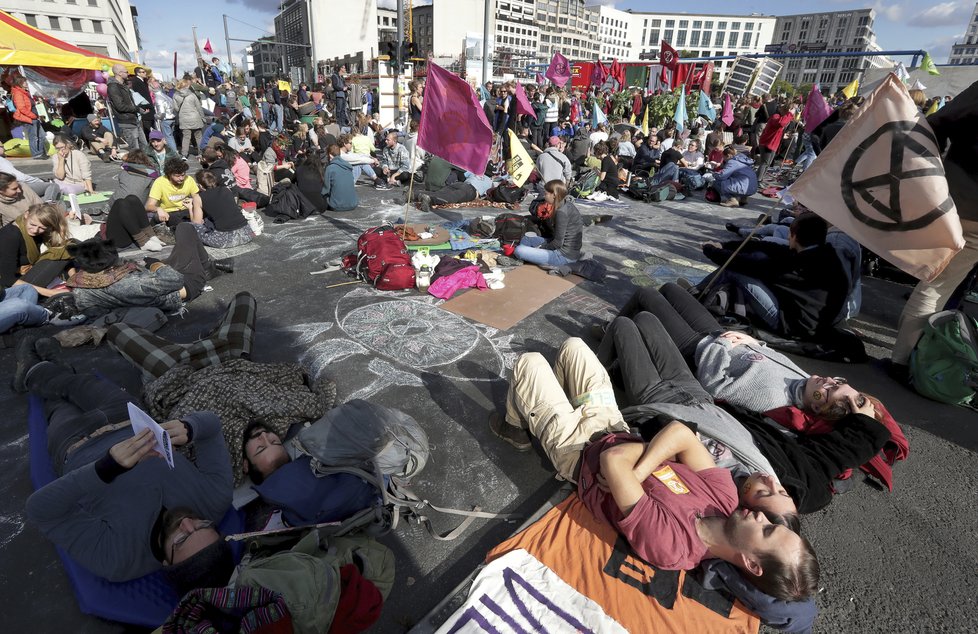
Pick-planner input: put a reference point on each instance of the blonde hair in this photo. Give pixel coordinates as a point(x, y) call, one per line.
point(183, 83)
point(52, 217)
point(919, 98)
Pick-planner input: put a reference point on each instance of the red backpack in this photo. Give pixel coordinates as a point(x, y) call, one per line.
point(382, 259)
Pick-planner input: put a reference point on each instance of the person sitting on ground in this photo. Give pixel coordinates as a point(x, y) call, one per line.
point(116, 507)
point(736, 179)
point(214, 134)
point(19, 309)
point(48, 190)
point(579, 147)
point(16, 198)
point(693, 158)
point(647, 155)
point(361, 163)
point(21, 260)
point(72, 169)
point(797, 291)
point(599, 135)
point(667, 498)
point(239, 169)
point(126, 222)
point(174, 195)
point(241, 144)
point(395, 162)
point(598, 152)
point(669, 161)
point(277, 155)
point(159, 151)
point(219, 223)
point(553, 164)
point(309, 174)
point(626, 149)
point(99, 139)
point(339, 188)
point(559, 213)
point(777, 472)
point(609, 170)
point(668, 137)
point(740, 144)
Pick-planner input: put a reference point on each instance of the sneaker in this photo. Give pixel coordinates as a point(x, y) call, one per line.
point(730, 202)
point(598, 330)
point(153, 244)
point(48, 349)
point(732, 228)
point(516, 436)
point(62, 321)
point(27, 358)
point(382, 185)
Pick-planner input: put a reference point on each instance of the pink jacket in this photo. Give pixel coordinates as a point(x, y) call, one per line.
point(469, 277)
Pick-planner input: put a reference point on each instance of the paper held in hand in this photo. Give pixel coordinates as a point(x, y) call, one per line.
point(141, 420)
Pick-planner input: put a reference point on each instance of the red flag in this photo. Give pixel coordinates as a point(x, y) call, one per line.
point(706, 80)
point(559, 70)
point(174, 64)
point(207, 47)
point(680, 75)
point(727, 115)
point(523, 105)
point(453, 124)
point(668, 57)
point(599, 74)
point(617, 73)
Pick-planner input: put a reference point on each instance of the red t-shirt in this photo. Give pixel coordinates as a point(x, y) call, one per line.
point(661, 529)
point(774, 130)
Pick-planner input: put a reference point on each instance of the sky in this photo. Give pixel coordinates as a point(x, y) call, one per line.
point(165, 27)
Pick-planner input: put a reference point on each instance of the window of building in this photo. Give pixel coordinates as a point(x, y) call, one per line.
point(720, 37)
point(31, 19)
point(656, 23)
point(670, 24)
point(722, 26)
point(811, 63)
point(72, 1)
point(706, 38)
point(55, 22)
point(681, 38)
point(803, 36)
point(93, 3)
point(75, 24)
point(654, 37)
point(748, 26)
point(733, 39)
point(826, 78)
point(694, 38)
point(697, 24)
point(684, 24)
point(668, 35)
point(735, 26)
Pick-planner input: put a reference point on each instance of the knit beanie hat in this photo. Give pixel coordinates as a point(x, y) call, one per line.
point(209, 568)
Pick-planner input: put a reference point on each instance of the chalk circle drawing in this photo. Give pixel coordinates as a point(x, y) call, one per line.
point(655, 270)
point(404, 335)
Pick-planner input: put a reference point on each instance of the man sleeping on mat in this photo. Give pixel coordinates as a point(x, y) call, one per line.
point(117, 508)
point(666, 497)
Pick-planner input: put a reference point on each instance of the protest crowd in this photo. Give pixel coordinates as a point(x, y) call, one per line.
point(682, 423)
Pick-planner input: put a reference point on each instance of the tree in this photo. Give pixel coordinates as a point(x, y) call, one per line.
point(805, 89)
point(686, 53)
point(780, 86)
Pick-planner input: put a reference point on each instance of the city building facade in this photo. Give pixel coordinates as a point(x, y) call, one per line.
point(567, 26)
point(966, 52)
point(106, 27)
point(263, 61)
point(832, 32)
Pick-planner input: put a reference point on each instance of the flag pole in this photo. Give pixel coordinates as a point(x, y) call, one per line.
point(719, 271)
point(408, 201)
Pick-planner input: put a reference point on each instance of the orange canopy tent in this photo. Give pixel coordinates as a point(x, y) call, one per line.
point(23, 45)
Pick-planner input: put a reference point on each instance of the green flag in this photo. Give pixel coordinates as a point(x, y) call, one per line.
point(929, 65)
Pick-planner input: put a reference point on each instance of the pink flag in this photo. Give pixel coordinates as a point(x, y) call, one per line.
point(883, 184)
point(559, 71)
point(727, 115)
point(207, 47)
point(541, 80)
point(599, 74)
point(523, 105)
point(816, 110)
point(453, 124)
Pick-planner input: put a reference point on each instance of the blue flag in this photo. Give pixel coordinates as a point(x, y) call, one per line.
point(706, 108)
point(680, 116)
point(597, 115)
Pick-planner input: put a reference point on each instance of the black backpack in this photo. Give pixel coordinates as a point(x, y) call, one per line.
point(288, 203)
point(510, 228)
point(506, 193)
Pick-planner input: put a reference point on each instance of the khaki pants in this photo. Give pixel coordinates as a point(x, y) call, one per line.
point(105, 143)
point(929, 297)
point(564, 406)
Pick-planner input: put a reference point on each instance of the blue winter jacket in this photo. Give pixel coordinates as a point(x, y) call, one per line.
point(338, 189)
point(737, 178)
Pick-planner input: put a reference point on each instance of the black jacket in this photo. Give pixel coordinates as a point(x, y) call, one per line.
point(806, 465)
point(810, 286)
point(123, 107)
point(957, 123)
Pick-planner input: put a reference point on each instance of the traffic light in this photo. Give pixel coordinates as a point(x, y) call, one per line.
point(389, 49)
point(412, 50)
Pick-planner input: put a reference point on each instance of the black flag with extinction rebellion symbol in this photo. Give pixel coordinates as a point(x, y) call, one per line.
point(882, 182)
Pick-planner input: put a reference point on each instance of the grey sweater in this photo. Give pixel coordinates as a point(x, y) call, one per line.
point(568, 231)
point(106, 527)
point(712, 423)
point(751, 376)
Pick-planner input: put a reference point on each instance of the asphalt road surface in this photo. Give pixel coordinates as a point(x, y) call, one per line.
point(891, 561)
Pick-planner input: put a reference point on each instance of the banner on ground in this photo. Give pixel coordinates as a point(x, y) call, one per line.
point(559, 70)
point(883, 184)
point(519, 164)
point(453, 124)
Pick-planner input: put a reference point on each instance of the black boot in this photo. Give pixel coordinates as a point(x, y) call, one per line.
point(224, 266)
point(27, 358)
